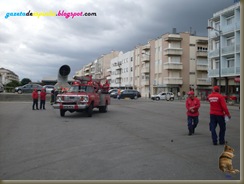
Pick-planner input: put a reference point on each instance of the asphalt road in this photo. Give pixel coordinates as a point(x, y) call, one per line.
point(135, 140)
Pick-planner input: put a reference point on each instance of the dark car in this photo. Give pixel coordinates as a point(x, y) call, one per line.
point(28, 88)
point(129, 93)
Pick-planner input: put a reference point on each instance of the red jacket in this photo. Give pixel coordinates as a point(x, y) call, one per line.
point(192, 104)
point(35, 94)
point(43, 95)
point(217, 104)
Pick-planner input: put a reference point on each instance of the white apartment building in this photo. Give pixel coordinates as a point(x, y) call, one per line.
point(7, 76)
point(121, 71)
point(224, 50)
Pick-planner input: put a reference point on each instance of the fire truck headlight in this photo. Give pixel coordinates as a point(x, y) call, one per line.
point(84, 98)
point(59, 99)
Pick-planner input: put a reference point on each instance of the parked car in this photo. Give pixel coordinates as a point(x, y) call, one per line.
point(129, 93)
point(1, 88)
point(28, 88)
point(48, 88)
point(112, 91)
point(114, 94)
point(163, 96)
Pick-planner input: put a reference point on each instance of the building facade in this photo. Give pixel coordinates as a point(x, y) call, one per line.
point(7, 76)
point(224, 50)
point(121, 71)
point(175, 63)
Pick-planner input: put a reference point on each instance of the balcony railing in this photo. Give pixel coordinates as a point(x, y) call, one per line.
point(202, 54)
point(173, 80)
point(203, 81)
point(173, 66)
point(146, 47)
point(213, 53)
point(145, 69)
point(145, 82)
point(224, 72)
point(202, 67)
point(173, 51)
point(228, 49)
point(228, 71)
point(145, 58)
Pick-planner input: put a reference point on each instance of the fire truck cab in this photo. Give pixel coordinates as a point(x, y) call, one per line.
point(84, 94)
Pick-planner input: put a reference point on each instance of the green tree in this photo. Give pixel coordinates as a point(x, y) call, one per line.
point(9, 87)
point(25, 81)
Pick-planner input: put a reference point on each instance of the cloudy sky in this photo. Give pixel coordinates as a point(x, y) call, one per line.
point(35, 47)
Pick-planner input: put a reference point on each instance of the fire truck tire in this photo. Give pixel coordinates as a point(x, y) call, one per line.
point(103, 108)
point(89, 110)
point(62, 112)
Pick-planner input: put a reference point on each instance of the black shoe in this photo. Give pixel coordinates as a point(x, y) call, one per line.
point(221, 143)
point(189, 133)
point(215, 143)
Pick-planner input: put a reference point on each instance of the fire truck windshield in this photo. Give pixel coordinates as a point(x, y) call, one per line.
point(76, 89)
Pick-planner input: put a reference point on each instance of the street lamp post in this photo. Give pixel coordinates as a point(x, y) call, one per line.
point(219, 33)
point(149, 93)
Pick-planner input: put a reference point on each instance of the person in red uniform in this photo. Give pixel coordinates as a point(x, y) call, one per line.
point(105, 87)
point(35, 99)
point(192, 106)
point(43, 99)
point(218, 111)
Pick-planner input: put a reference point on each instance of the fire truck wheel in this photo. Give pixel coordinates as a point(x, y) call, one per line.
point(89, 110)
point(62, 112)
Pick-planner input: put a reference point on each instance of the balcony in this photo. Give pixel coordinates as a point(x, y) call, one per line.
point(202, 67)
point(173, 51)
point(173, 37)
point(173, 80)
point(203, 81)
point(213, 53)
point(145, 58)
point(118, 76)
point(228, 50)
point(200, 41)
point(173, 66)
point(146, 47)
point(145, 69)
point(145, 82)
point(202, 54)
point(108, 77)
point(213, 73)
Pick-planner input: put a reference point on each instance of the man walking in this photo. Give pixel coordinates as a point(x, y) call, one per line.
point(218, 111)
point(192, 106)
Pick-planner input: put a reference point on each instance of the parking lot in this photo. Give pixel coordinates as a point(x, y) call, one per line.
point(135, 140)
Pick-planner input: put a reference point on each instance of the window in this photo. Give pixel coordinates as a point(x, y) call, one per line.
point(230, 41)
point(217, 64)
point(230, 20)
point(216, 25)
point(217, 45)
point(230, 62)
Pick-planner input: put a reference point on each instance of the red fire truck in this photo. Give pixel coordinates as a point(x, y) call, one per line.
point(85, 94)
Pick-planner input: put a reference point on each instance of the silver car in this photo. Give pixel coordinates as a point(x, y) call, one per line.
point(28, 88)
point(163, 96)
point(48, 88)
